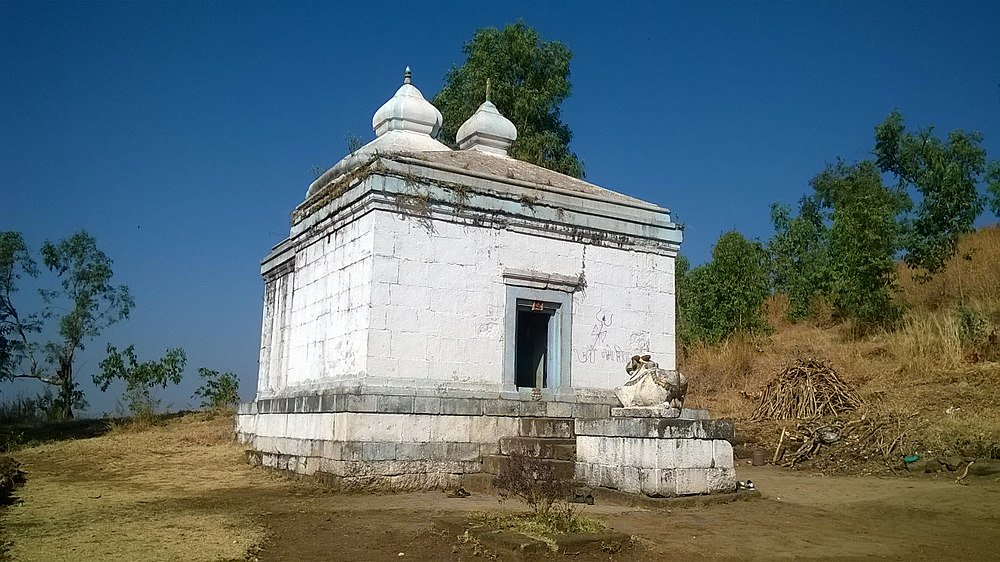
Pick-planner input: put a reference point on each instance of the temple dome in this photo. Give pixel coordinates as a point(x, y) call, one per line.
point(407, 110)
point(487, 130)
point(405, 123)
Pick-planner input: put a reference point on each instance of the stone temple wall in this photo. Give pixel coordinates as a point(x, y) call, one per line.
point(438, 298)
point(426, 306)
point(316, 310)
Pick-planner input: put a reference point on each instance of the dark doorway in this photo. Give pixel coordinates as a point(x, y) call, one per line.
point(531, 348)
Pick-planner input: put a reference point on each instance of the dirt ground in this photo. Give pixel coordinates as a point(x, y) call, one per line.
point(184, 492)
point(801, 516)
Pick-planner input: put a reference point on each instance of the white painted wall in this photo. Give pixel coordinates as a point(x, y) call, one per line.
point(319, 330)
point(438, 302)
point(387, 297)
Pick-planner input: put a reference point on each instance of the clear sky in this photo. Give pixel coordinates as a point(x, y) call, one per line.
point(182, 135)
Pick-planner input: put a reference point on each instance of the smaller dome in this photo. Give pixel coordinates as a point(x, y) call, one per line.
point(407, 110)
point(487, 130)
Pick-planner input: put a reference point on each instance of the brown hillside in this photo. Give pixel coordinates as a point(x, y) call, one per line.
point(932, 384)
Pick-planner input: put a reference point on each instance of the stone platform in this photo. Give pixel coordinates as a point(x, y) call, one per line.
point(657, 457)
point(358, 439)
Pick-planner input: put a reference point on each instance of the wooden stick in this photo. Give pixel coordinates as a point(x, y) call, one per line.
point(778, 450)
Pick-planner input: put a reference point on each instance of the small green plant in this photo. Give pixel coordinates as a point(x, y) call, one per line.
point(221, 391)
point(354, 142)
point(978, 338)
point(534, 482)
point(142, 403)
point(529, 201)
point(543, 527)
point(971, 325)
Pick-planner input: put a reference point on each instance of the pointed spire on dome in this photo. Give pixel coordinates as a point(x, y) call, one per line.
point(407, 110)
point(487, 130)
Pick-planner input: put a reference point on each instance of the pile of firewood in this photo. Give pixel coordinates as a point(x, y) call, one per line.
point(808, 389)
point(871, 437)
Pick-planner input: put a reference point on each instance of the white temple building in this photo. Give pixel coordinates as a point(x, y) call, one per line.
point(429, 302)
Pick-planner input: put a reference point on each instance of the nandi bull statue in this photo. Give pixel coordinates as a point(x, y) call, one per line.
point(651, 387)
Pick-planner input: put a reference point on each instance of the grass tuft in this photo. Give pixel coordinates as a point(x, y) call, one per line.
point(544, 527)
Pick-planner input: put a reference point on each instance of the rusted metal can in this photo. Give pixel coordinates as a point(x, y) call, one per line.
point(758, 457)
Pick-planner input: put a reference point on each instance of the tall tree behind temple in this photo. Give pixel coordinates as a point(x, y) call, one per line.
point(528, 78)
point(946, 175)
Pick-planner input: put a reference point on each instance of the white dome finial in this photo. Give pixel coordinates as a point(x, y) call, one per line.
point(487, 130)
point(407, 110)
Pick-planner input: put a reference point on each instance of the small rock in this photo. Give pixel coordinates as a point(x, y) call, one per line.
point(954, 463)
point(932, 466)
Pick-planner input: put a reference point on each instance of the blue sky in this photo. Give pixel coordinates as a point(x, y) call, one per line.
point(182, 135)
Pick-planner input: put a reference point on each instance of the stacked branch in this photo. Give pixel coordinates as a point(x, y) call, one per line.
point(808, 389)
point(871, 437)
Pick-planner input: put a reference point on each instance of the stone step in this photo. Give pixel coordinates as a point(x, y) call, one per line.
point(562, 470)
point(562, 428)
point(540, 447)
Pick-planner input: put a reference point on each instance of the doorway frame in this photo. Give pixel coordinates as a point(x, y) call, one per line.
point(559, 351)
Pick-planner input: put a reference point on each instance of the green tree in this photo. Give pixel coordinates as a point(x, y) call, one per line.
point(528, 79)
point(725, 296)
point(993, 186)
point(15, 262)
point(947, 176)
point(865, 235)
point(799, 256)
point(85, 304)
point(221, 391)
point(140, 378)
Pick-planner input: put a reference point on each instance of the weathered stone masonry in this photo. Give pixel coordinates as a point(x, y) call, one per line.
point(429, 302)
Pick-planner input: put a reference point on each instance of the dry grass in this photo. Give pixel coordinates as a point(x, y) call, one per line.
point(176, 491)
point(925, 372)
point(972, 275)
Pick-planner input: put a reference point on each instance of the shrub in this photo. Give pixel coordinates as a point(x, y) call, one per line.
point(532, 481)
point(725, 296)
point(221, 391)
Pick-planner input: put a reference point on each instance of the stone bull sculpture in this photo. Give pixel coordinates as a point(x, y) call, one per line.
point(649, 386)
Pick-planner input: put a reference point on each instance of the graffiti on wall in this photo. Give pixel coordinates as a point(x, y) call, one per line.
point(599, 348)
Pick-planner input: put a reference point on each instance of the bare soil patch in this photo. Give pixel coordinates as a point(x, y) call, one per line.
point(800, 516)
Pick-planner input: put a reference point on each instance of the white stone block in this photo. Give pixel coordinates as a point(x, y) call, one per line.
point(483, 429)
point(693, 453)
point(691, 481)
point(587, 448)
point(631, 481)
point(667, 453)
point(378, 346)
point(417, 429)
point(408, 346)
point(721, 480)
point(413, 273)
point(451, 428)
point(723, 454)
